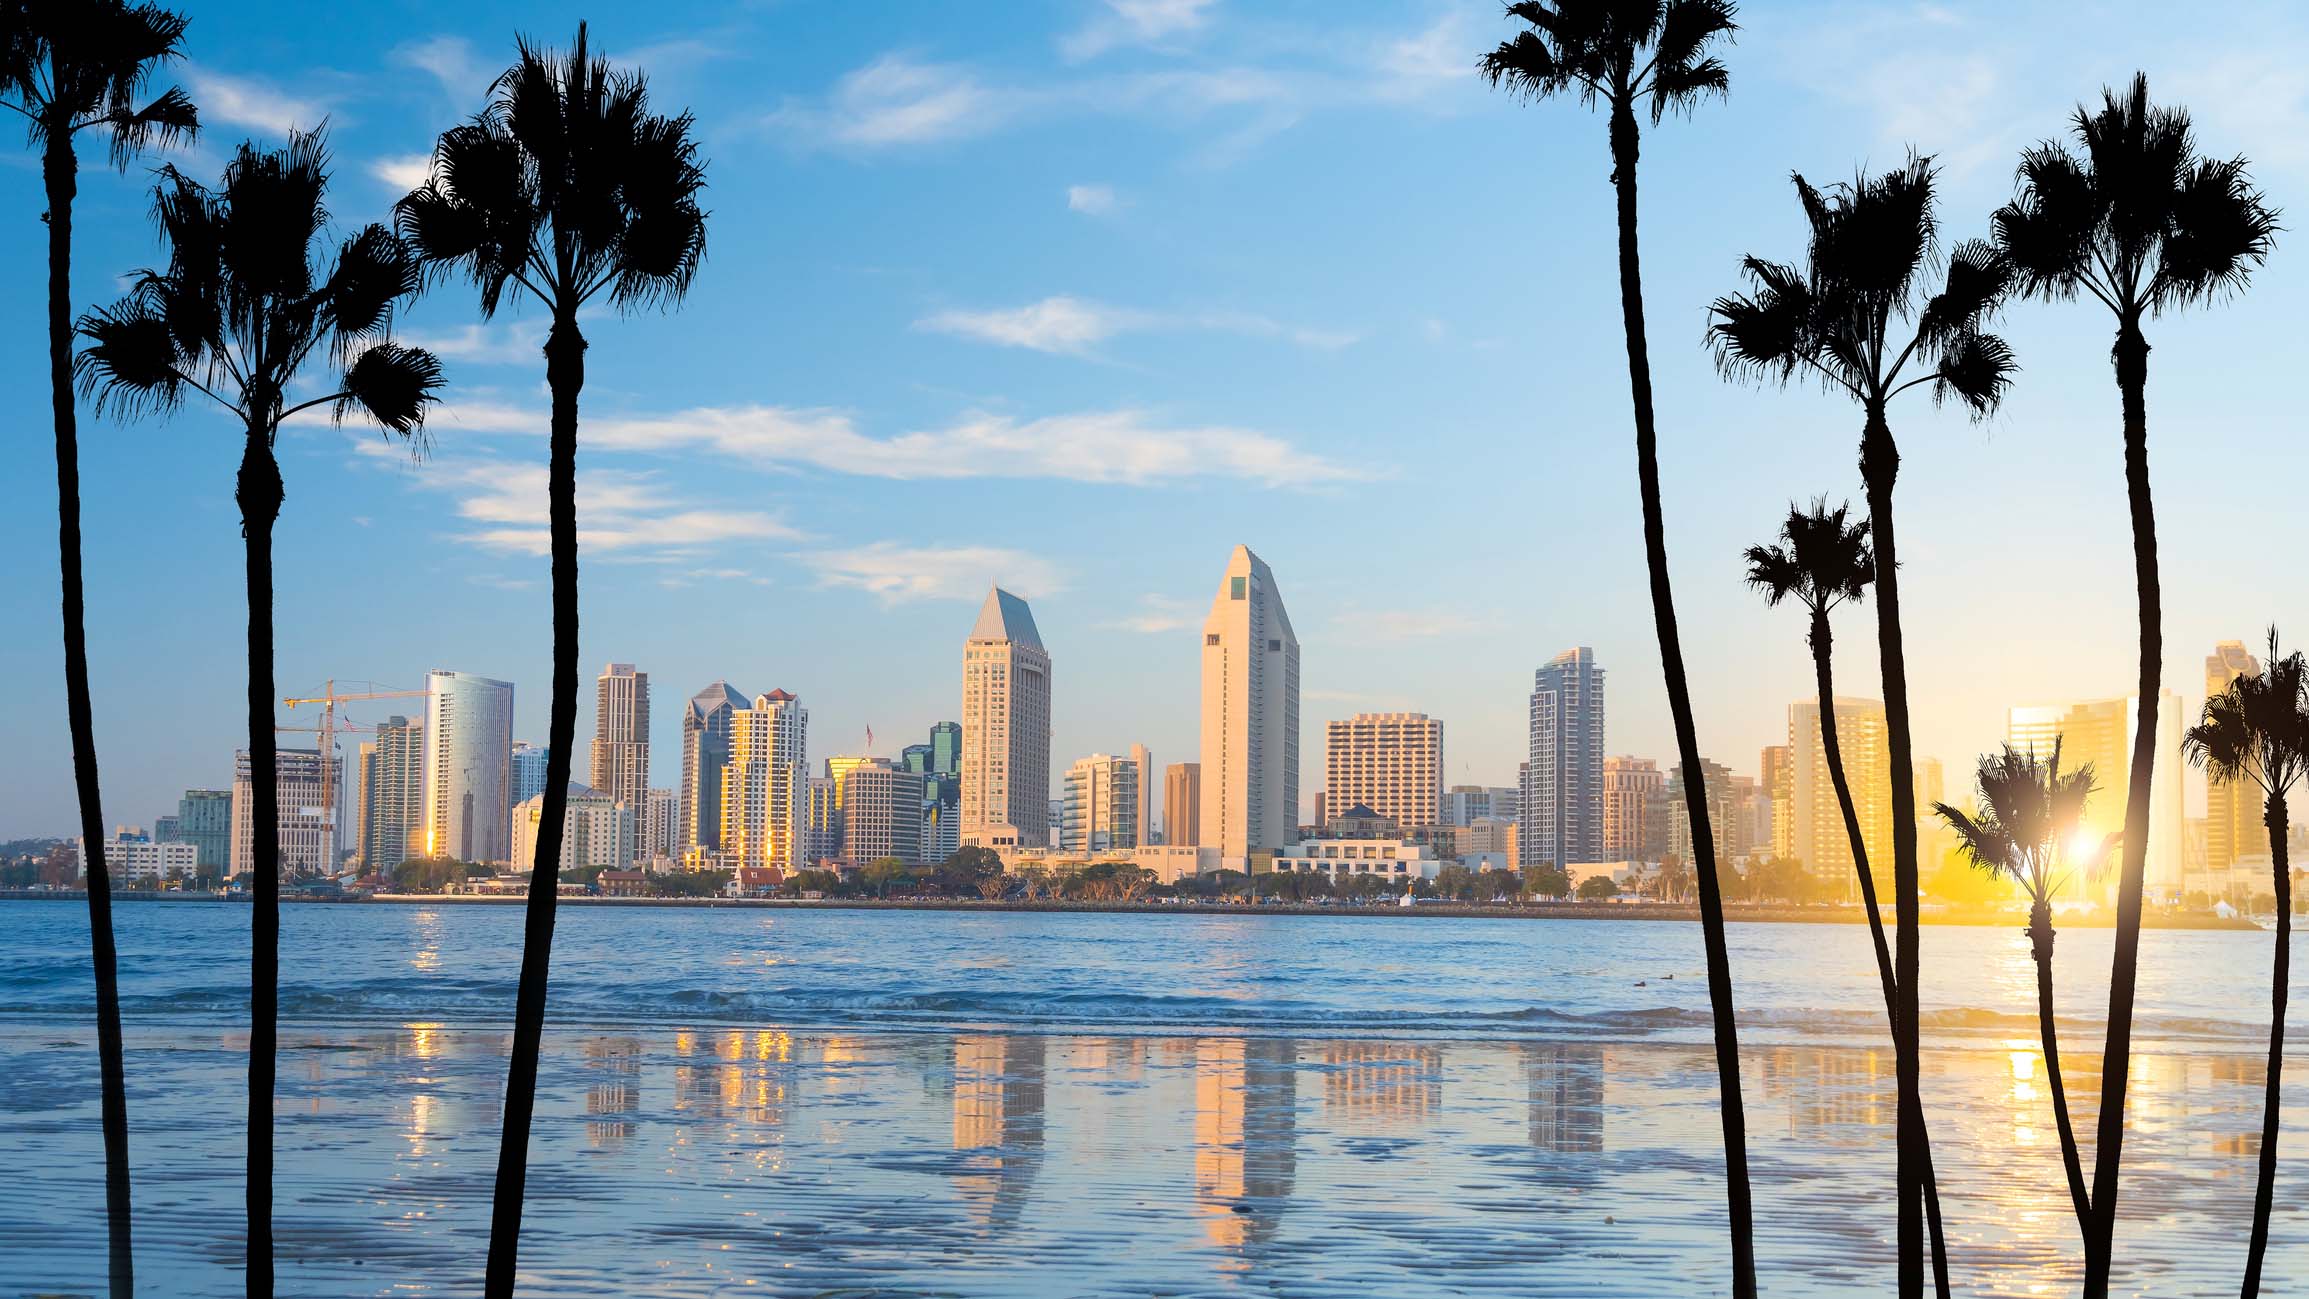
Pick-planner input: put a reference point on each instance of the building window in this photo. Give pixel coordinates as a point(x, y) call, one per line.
point(1236, 587)
point(1210, 638)
point(1275, 646)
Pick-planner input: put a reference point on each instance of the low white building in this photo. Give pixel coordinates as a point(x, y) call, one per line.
point(596, 831)
point(138, 862)
point(1172, 862)
point(1340, 859)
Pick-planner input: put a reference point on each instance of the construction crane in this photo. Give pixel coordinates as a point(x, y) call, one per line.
point(326, 741)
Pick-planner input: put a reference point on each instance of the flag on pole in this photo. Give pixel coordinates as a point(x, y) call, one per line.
point(869, 739)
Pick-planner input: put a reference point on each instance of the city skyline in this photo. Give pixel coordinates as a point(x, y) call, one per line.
point(1113, 362)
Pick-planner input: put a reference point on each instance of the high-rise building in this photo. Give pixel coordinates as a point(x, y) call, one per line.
point(1464, 804)
point(1391, 763)
point(2100, 731)
point(136, 861)
point(1182, 803)
point(881, 813)
point(1723, 813)
point(660, 826)
point(1816, 833)
point(596, 830)
point(1250, 726)
point(391, 819)
point(822, 837)
point(528, 764)
point(1005, 736)
point(204, 819)
point(304, 830)
point(468, 767)
point(1143, 759)
point(946, 748)
point(1634, 809)
point(1563, 786)
point(1101, 805)
point(941, 768)
point(2233, 826)
point(764, 793)
point(621, 735)
point(705, 753)
point(1777, 777)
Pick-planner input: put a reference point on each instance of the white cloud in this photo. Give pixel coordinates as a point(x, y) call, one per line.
point(451, 61)
point(894, 573)
point(1091, 200)
point(245, 101)
point(895, 100)
point(1135, 22)
point(1156, 615)
point(512, 342)
point(1413, 66)
point(1117, 446)
point(407, 171)
point(1072, 326)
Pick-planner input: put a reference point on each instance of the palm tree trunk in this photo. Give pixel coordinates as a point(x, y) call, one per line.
point(1832, 750)
point(1624, 151)
point(2132, 363)
point(2274, 817)
point(2040, 946)
point(1879, 469)
point(565, 375)
point(60, 169)
point(259, 494)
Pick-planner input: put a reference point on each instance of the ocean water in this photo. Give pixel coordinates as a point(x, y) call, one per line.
point(934, 1103)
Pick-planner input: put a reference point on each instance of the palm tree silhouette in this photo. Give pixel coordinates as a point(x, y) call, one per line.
point(252, 293)
point(2024, 831)
point(1850, 319)
point(1822, 561)
point(68, 66)
point(1652, 53)
point(2258, 730)
point(568, 187)
point(2145, 225)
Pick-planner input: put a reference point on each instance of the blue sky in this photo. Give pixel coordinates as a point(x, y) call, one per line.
point(1077, 295)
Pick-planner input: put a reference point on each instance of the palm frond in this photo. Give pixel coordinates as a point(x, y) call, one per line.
point(2222, 232)
point(392, 385)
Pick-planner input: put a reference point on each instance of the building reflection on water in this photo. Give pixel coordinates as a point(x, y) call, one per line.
point(732, 1075)
point(1246, 1133)
point(613, 1097)
point(1564, 1081)
point(998, 1120)
point(1390, 1084)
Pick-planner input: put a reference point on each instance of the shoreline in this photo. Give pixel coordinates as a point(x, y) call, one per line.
point(1736, 913)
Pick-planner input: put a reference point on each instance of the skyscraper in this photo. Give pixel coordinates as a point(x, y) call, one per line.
point(2232, 811)
point(881, 813)
point(1005, 725)
point(1777, 777)
point(468, 767)
point(2100, 731)
point(1182, 803)
point(764, 793)
point(596, 830)
point(1250, 727)
point(621, 735)
point(1563, 783)
point(1467, 804)
point(659, 826)
point(304, 830)
point(705, 752)
point(392, 795)
point(1391, 763)
point(946, 748)
point(942, 792)
point(1141, 758)
point(1634, 809)
point(1816, 833)
point(529, 770)
point(204, 819)
point(1724, 813)
point(1102, 804)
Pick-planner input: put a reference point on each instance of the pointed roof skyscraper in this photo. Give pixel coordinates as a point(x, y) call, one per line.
point(1005, 617)
point(1005, 727)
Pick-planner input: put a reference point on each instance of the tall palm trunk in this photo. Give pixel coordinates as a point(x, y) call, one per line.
point(1832, 751)
point(2040, 946)
point(1624, 152)
point(2274, 817)
point(1879, 469)
point(565, 375)
point(259, 494)
point(60, 170)
point(2132, 364)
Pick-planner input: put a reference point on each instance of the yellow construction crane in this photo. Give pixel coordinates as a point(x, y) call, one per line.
point(326, 742)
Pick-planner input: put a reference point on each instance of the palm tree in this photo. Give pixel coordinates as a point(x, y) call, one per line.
point(2258, 730)
point(1850, 318)
point(68, 66)
point(567, 187)
point(251, 293)
point(2025, 830)
point(1653, 53)
point(2144, 224)
point(1823, 561)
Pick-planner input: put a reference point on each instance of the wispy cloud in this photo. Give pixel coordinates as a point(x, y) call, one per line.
point(1117, 446)
point(451, 61)
point(510, 342)
point(1092, 200)
point(406, 171)
point(1135, 22)
point(1074, 326)
point(1156, 614)
point(895, 573)
point(249, 102)
point(897, 100)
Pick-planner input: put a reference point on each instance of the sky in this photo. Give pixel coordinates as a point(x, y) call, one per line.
point(1075, 296)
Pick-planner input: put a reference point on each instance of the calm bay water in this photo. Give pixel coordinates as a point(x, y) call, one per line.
point(843, 1102)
